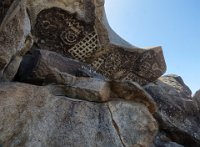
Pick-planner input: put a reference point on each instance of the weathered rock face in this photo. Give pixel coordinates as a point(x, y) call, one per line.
point(91, 89)
point(33, 116)
point(82, 80)
point(178, 113)
point(79, 30)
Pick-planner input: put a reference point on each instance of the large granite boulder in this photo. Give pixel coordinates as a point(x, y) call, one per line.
point(178, 113)
point(34, 116)
point(76, 29)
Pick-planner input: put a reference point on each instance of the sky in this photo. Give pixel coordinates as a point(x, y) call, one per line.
point(172, 24)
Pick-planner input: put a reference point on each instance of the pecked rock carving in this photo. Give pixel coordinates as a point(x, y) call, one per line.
point(63, 71)
point(69, 33)
point(58, 30)
point(79, 30)
point(67, 79)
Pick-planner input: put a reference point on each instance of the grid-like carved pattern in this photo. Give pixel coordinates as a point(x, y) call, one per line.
point(59, 30)
point(85, 47)
point(96, 64)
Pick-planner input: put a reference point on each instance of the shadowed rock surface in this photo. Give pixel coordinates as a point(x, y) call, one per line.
point(42, 67)
point(178, 113)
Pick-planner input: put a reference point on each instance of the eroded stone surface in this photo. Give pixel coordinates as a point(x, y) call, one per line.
point(132, 91)
point(121, 120)
point(98, 90)
point(32, 116)
point(89, 89)
point(178, 113)
point(41, 36)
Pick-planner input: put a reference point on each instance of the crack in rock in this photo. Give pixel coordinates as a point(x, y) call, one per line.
point(116, 126)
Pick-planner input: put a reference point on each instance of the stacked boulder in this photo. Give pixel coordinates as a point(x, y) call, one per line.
point(67, 79)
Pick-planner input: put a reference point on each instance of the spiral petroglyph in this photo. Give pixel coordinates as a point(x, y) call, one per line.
point(72, 35)
point(59, 30)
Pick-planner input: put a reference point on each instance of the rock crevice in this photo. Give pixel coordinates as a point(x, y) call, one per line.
point(116, 127)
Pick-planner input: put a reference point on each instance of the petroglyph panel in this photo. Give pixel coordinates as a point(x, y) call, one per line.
point(85, 48)
point(83, 35)
point(116, 61)
point(59, 30)
point(149, 65)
